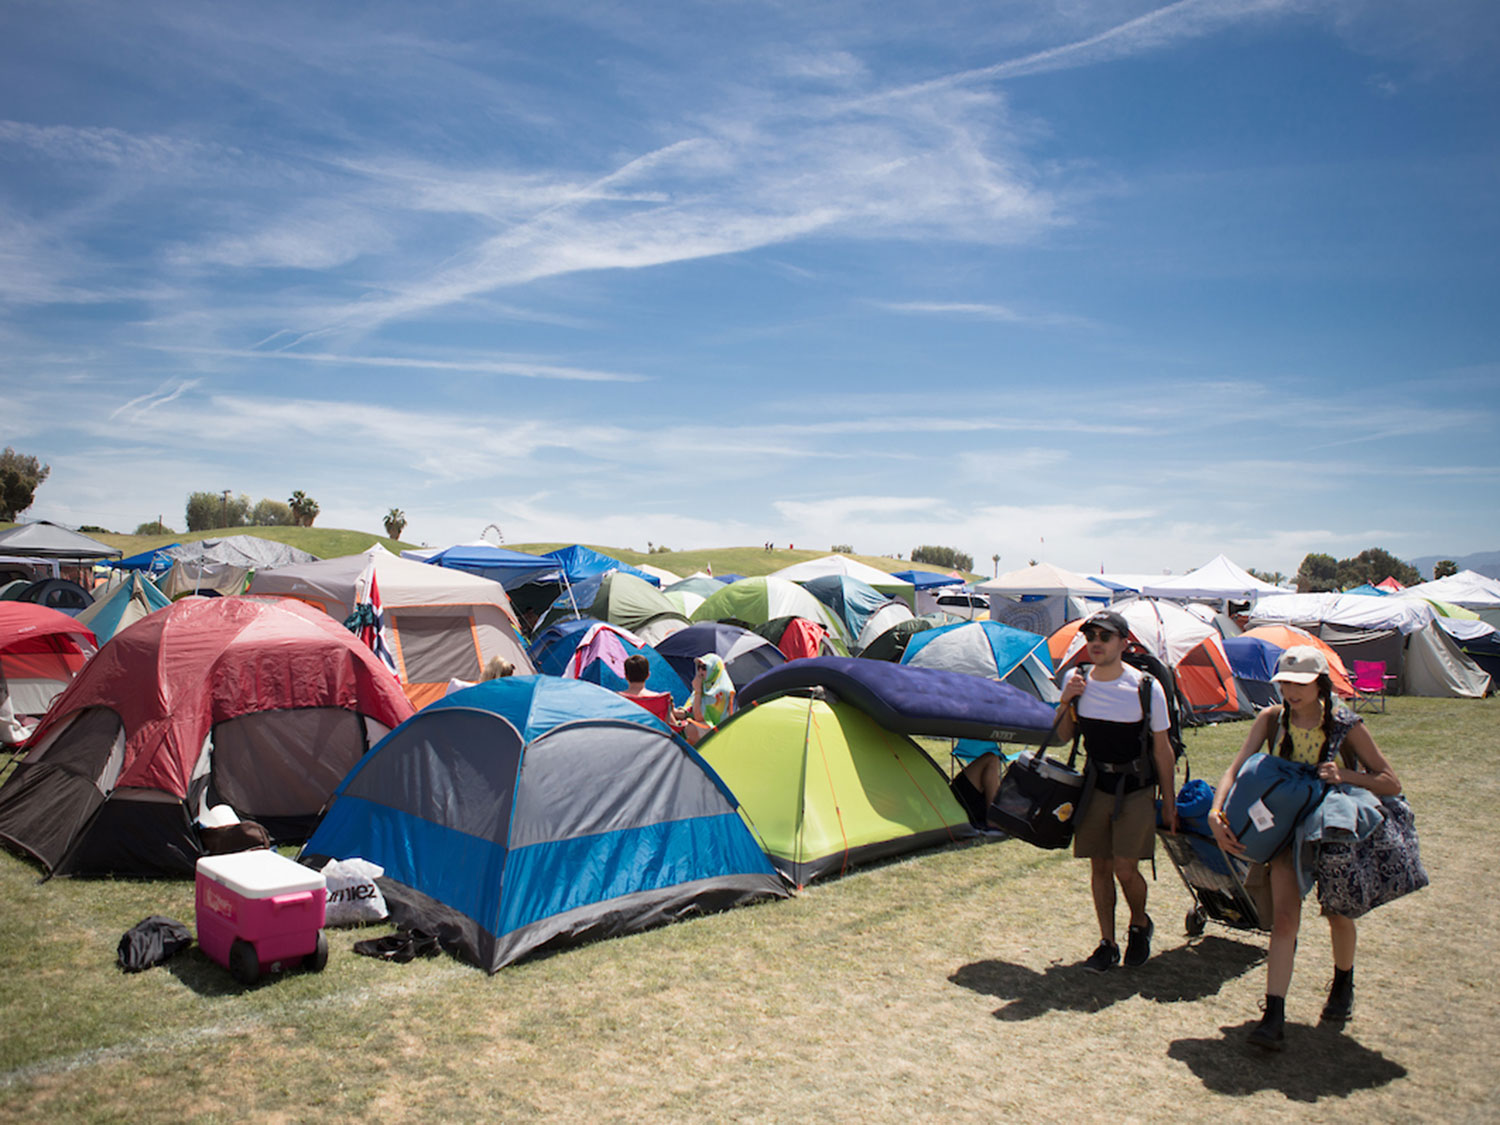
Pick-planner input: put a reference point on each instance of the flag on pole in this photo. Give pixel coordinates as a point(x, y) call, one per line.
point(367, 622)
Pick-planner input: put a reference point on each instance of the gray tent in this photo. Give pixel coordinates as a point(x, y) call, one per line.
point(223, 566)
point(44, 540)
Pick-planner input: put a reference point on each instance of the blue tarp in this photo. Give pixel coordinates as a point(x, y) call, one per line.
point(579, 563)
point(507, 567)
point(927, 579)
point(914, 700)
point(157, 561)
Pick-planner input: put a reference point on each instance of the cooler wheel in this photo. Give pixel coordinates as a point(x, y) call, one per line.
point(1195, 922)
point(319, 956)
point(243, 962)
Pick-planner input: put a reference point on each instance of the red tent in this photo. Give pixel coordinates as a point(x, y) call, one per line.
point(260, 705)
point(41, 650)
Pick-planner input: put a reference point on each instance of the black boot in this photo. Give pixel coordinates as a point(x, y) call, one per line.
point(1340, 1004)
point(1269, 1034)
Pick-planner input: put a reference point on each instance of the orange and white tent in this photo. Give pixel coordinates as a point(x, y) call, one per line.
point(442, 624)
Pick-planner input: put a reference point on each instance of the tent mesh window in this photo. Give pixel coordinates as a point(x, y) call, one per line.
point(437, 648)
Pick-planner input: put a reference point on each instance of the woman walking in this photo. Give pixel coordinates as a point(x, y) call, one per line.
point(1311, 728)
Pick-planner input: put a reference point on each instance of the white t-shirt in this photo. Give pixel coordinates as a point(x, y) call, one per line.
point(1119, 700)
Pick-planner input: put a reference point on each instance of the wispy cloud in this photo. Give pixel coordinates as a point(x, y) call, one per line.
point(977, 310)
point(521, 369)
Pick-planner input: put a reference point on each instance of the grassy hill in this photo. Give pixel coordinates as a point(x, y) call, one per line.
point(325, 542)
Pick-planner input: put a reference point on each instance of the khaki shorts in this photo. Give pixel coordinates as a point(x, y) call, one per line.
point(1099, 834)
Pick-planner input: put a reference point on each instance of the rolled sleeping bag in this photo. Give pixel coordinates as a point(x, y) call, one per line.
point(1267, 800)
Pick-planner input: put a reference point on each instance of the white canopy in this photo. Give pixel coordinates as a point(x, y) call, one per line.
point(1218, 578)
point(853, 568)
point(1467, 588)
point(1044, 580)
point(1360, 611)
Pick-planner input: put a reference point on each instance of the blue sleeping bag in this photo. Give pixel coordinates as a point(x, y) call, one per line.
point(1270, 795)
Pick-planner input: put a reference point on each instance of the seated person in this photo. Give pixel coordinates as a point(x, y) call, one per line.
point(659, 703)
point(975, 787)
point(713, 697)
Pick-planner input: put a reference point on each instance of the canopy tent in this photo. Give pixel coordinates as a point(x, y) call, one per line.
point(46, 540)
point(443, 624)
point(841, 565)
point(854, 603)
point(498, 564)
point(990, 650)
point(259, 705)
point(41, 651)
point(156, 561)
point(531, 813)
point(828, 788)
point(745, 654)
point(579, 563)
point(1467, 588)
point(754, 601)
point(927, 579)
point(223, 566)
point(123, 606)
point(1041, 580)
point(1351, 611)
point(1219, 579)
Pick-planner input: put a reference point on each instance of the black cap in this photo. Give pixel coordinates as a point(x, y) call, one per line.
point(1107, 619)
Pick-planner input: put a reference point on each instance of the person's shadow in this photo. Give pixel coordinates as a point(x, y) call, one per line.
point(1319, 1062)
point(1189, 972)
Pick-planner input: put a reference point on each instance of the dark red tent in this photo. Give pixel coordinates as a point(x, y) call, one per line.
point(41, 650)
point(260, 705)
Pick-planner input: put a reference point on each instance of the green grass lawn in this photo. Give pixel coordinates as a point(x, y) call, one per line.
point(939, 987)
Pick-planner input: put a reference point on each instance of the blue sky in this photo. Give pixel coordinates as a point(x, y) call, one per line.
point(1104, 283)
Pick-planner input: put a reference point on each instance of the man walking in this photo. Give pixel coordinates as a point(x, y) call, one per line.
point(1130, 761)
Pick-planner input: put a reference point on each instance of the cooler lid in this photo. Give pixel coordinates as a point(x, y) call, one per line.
point(260, 873)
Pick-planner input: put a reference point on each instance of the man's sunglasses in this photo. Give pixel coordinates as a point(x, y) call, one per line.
point(1098, 634)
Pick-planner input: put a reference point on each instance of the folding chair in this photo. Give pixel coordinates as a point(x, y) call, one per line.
point(1369, 685)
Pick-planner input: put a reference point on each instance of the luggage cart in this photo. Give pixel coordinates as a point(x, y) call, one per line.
point(1216, 880)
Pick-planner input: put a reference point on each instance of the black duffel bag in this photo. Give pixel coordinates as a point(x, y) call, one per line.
point(1038, 798)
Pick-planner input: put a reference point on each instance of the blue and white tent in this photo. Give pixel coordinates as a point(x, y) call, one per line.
point(988, 649)
point(530, 812)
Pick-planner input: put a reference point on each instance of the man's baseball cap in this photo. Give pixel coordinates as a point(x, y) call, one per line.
point(1107, 619)
point(1300, 664)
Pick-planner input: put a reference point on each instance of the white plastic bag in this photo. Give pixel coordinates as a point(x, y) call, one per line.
point(353, 894)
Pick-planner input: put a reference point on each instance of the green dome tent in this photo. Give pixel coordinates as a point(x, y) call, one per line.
point(754, 601)
point(827, 787)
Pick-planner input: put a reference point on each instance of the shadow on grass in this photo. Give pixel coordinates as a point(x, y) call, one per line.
point(1319, 1062)
point(1189, 972)
point(208, 978)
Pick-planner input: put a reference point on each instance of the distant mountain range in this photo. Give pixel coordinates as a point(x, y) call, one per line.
point(1486, 563)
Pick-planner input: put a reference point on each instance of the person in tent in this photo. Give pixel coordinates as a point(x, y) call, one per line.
point(1115, 825)
point(659, 703)
point(1309, 727)
point(713, 697)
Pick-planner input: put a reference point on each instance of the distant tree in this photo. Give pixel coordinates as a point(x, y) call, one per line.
point(842, 549)
point(943, 556)
point(93, 529)
point(995, 558)
point(395, 523)
point(1318, 574)
point(1274, 577)
point(271, 513)
point(155, 527)
point(208, 510)
point(1375, 565)
point(660, 549)
point(1444, 568)
point(20, 476)
point(304, 508)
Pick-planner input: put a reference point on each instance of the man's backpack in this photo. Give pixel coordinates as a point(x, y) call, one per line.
point(1154, 668)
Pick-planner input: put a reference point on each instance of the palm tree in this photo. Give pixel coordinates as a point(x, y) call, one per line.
point(395, 523)
point(304, 508)
point(995, 558)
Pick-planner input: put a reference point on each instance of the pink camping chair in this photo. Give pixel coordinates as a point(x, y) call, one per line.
point(1369, 685)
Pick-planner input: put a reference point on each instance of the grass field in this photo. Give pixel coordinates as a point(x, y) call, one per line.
point(939, 987)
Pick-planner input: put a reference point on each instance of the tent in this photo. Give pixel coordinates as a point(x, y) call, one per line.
point(599, 657)
point(622, 599)
point(841, 565)
point(1253, 661)
point(1284, 637)
point(855, 602)
point(688, 594)
point(41, 651)
point(799, 637)
point(1041, 580)
point(528, 813)
point(1040, 598)
point(552, 648)
point(745, 654)
point(927, 579)
point(879, 623)
point(579, 563)
point(663, 576)
point(754, 601)
point(263, 706)
point(46, 540)
point(890, 644)
point(154, 562)
point(443, 624)
point(498, 564)
point(223, 566)
point(988, 649)
point(828, 788)
point(126, 604)
point(1219, 579)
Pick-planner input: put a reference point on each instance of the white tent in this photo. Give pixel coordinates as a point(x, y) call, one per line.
point(887, 584)
point(1467, 588)
point(1219, 579)
point(444, 624)
point(1355, 611)
point(665, 577)
point(1042, 579)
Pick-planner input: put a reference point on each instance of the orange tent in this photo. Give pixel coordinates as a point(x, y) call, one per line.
point(1289, 636)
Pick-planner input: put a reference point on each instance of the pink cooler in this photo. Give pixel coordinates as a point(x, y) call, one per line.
point(260, 912)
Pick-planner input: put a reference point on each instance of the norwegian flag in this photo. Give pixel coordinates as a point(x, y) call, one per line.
point(367, 622)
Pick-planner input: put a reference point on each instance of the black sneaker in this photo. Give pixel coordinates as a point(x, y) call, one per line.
point(1138, 943)
point(1103, 959)
point(1340, 1004)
